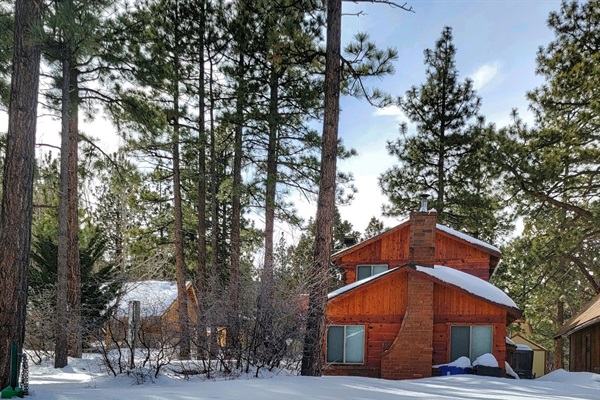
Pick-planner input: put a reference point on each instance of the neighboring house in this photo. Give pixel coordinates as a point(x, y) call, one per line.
point(158, 311)
point(417, 295)
point(583, 332)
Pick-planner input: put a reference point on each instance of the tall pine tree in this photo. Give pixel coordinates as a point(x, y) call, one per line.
point(443, 155)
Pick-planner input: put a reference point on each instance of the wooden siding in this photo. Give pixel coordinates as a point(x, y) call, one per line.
point(455, 307)
point(577, 353)
point(381, 300)
point(393, 249)
point(380, 307)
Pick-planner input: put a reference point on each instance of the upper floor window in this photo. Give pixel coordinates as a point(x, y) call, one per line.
point(365, 271)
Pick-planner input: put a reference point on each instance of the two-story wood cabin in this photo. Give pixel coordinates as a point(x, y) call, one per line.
point(416, 295)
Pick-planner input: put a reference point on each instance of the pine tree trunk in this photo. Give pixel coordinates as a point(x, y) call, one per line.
point(62, 282)
point(180, 267)
point(236, 207)
point(201, 262)
point(17, 193)
point(74, 272)
point(559, 356)
point(312, 358)
point(266, 299)
point(214, 218)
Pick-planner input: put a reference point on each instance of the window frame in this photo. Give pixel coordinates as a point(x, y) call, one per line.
point(371, 266)
point(470, 338)
point(364, 330)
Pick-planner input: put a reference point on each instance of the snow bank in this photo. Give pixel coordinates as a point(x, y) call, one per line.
point(486, 360)
point(510, 371)
point(461, 362)
point(560, 375)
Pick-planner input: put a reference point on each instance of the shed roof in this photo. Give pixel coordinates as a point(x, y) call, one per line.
point(589, 315)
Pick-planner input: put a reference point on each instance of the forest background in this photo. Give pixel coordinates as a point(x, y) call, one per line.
point(216, 106)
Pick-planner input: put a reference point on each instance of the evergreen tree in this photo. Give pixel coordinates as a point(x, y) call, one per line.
point(73, 32)
point(17, 183)
point(444, 156)
point(374, 228)
point(365, 61)
point(156, 43)
point(551, 170)
point(6, 42)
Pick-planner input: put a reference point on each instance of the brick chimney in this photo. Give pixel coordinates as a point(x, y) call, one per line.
point(422, 236)
point(411, 354)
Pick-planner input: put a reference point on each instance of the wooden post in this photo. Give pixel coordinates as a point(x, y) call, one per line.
point(559, 355)
point(133, 329)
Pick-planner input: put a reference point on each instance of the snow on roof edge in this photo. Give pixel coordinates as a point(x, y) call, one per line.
point(469, 283)
point(356, 284)
point(467, 238)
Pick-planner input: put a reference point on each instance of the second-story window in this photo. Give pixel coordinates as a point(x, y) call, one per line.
point(365, 271)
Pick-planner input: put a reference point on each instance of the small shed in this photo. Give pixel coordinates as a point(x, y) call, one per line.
point(583, 332)
point(539, 353)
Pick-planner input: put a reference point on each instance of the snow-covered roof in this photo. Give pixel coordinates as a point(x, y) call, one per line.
point(470, 283)
point(467, 238)
point(524, 347)
point(356, 284)
point(155, 297)
point(452, 276)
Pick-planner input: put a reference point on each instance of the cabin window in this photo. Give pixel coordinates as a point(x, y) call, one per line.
point(346, 344)
point(365, 271)
point(470, 341)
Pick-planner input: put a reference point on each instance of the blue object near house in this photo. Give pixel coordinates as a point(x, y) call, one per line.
point(446, 370)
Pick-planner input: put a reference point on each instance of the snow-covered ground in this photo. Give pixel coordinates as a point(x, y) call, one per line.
point(82, 379)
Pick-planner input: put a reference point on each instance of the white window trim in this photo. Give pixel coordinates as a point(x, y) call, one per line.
point(344, 346)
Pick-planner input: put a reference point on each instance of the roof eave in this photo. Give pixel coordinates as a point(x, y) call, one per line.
point(568, 330)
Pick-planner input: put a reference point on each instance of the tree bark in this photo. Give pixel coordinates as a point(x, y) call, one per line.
point(180, 267)
point(559, 356)
point(17, 193)
point(201, 267)
point(201, 261)
point(214, 218)
point(62, 281)
point(236, 207)
point(74, 271)
point(266, 298)
point(312, 358)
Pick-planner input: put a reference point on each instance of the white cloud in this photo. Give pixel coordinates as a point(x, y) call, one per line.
point(484, 74)
point(389, 111)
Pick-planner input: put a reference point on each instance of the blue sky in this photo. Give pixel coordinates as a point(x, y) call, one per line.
point(496, 42)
